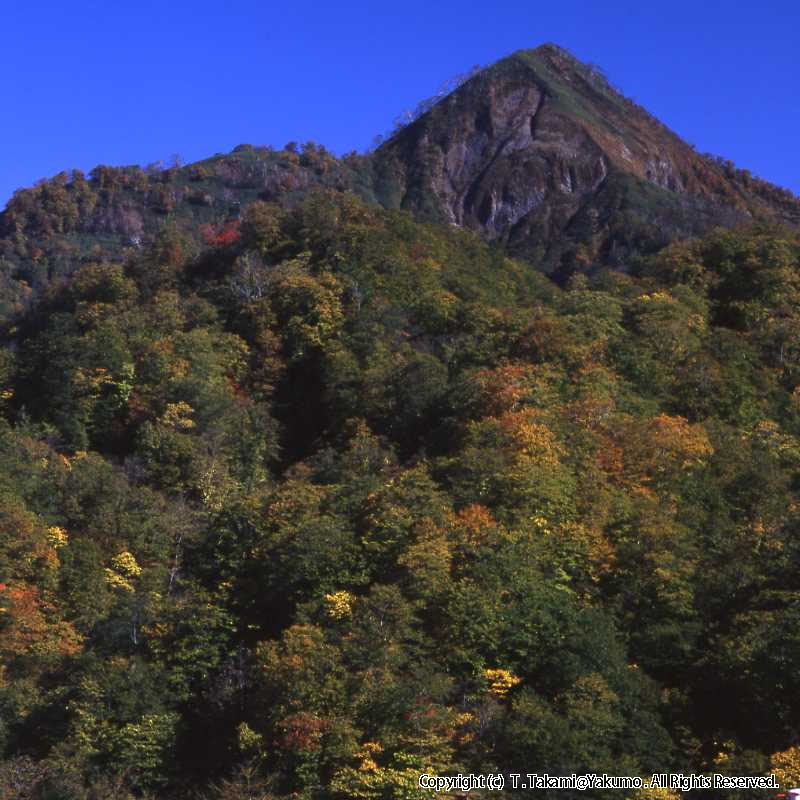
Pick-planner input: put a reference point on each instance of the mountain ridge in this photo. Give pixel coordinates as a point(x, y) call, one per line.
point(538, 152)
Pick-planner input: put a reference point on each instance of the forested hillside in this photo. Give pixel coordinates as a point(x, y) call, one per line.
point(349, 497)
point(306, 489)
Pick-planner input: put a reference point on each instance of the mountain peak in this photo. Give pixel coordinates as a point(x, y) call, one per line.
point(542, 153)
point(538, 152)
point(553, 51)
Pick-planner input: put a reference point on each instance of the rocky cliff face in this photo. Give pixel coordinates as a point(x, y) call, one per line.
point(497, 162)
point(541, 153)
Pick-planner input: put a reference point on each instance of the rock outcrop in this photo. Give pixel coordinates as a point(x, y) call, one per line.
point(540, 152)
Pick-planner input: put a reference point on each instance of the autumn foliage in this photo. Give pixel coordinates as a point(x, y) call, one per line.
point(337, 498)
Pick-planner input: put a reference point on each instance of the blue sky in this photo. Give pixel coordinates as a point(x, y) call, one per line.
point(86, 83)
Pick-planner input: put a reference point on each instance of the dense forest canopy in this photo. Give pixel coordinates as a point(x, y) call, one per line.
point(345, 497)
point(304, 494)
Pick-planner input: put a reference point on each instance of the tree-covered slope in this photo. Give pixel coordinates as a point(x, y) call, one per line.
point(312, 480)
point(47, 231)
point(342, 498)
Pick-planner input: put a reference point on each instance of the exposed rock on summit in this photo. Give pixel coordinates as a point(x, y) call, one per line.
point(541, 152)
